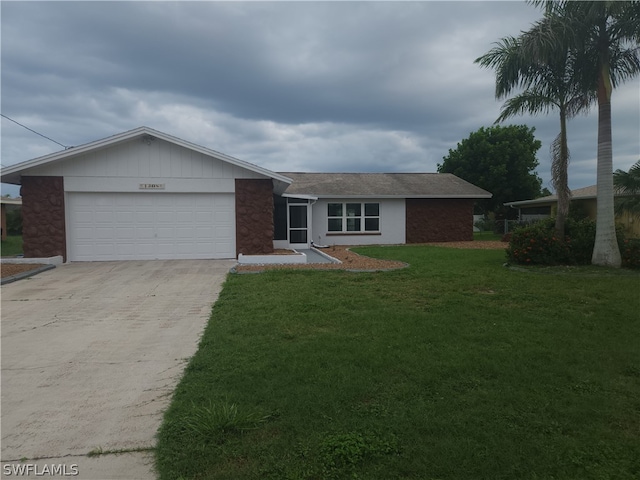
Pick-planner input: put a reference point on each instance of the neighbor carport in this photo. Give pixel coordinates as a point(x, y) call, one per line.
point(91, 353)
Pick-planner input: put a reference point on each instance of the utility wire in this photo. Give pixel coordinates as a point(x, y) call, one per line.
point(44, 136)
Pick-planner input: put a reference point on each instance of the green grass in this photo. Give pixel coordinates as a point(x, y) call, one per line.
point(11, 246)
point(487, 236)
point(453, 368)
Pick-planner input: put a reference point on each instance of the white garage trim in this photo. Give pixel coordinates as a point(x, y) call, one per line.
point(150, 225)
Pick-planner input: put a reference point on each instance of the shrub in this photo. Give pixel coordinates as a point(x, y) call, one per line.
point(630, 252)
point(581, 236)
point(537, 244)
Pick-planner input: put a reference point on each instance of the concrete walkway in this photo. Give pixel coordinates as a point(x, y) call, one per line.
point(91, 353)
point(314, 257)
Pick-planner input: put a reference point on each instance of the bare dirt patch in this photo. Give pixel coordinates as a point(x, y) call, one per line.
point(283, 251)
point(352, 261)
point(9, 269)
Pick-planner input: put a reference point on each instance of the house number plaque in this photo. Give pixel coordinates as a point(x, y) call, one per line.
point(151, 186)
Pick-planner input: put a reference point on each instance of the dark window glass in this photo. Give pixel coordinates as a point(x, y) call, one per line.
point(353, 224)
point(335, 224)
point(371, 224)
point(354, 209)
point(297, 216)
point(279, 220)
point(335, 209)
point(298, 236)
point(371, 209)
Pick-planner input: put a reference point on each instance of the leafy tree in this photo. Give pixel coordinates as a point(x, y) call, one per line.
point(548, 78)
point(605, 36)
point(500, 159)
point(628, 184)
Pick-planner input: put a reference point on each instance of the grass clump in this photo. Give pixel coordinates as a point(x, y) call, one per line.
point(215, 421)
point(453, 368)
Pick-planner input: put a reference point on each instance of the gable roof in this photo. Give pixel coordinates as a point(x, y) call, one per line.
point(584, 193)
point(12, 173)
point(382, 185)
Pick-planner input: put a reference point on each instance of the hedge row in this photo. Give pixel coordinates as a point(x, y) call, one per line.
point(537, 244)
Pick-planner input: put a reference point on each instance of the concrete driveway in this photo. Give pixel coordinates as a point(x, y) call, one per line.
point(91, 353)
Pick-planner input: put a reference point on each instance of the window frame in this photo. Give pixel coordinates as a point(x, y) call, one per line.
point(346, 220)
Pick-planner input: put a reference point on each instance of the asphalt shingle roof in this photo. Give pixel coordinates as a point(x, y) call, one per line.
point(577, 194)
point(404, 185)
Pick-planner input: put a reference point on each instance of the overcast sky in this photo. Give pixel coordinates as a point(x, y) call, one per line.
point(289, 86)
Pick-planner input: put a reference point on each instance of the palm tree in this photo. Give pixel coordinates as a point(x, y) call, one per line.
point(549, 79)
point(605, 36)
point(627, 184)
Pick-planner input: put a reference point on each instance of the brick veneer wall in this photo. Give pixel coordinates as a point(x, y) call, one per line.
point(254, 216)
point(43, 220)
point(434, 220)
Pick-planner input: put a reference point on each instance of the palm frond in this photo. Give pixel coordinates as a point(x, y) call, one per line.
point(628, 182)
point(580, 103)
point(624, 64)
point(526, 102)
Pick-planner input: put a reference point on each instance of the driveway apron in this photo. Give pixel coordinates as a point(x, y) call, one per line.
point(91, 354)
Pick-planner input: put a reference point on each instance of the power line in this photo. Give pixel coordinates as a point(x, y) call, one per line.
point(44, 136)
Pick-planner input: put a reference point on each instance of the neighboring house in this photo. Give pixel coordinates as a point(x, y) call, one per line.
point(143, 194)
point(584, 199)
point(5, 204)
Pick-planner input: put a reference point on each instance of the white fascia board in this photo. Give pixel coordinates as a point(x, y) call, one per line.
point(11, 201)
point(536, 201)
point(408, 196)
point(300, 196)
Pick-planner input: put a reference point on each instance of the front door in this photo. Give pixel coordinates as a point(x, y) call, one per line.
point(298, 225)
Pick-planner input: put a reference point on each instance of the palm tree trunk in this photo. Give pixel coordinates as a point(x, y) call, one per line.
point(605, 250)
point(560, 166)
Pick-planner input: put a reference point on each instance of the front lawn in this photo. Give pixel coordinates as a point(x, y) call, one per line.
point(453, 368)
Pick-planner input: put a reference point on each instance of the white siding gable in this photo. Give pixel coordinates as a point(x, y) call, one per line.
point(123, 167)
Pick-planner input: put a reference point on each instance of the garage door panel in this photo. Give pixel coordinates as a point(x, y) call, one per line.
point(145, 217)
point(124, 217)
point(104, 233)
point(146, 226)
point(84, 217)
point(125, 249)
point(165, 232)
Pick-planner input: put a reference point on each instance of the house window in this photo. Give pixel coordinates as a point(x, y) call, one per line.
point(353, 217)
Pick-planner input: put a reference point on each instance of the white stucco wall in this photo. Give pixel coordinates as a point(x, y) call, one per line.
point(123, 167)
point(392, 223)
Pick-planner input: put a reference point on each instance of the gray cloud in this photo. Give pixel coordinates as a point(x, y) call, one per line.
point(378, 86)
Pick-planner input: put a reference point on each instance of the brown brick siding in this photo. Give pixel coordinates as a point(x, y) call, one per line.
point(434, 220)
point(254, 216)
point(43, 219)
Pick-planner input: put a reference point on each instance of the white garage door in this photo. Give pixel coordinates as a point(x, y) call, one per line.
point(149, 226)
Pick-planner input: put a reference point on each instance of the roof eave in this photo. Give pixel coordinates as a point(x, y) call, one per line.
point(372, 196)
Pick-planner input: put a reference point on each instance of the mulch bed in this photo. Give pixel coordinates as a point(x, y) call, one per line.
point(353, 261)
point(9, 269)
